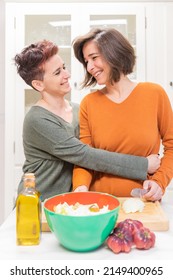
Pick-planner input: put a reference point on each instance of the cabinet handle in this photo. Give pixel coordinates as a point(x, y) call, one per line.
point(171, 84)
point(75, 84)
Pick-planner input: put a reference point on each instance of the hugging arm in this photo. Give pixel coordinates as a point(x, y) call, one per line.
point(60, 143)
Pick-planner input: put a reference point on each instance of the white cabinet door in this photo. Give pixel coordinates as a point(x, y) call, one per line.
point(27, 23)
point(30, 22)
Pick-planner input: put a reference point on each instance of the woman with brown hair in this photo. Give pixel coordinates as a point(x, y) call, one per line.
point(123, 116)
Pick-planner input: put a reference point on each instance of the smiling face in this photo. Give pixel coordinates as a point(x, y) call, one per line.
point(114, 56)
point(56, 77)
point(96, 65)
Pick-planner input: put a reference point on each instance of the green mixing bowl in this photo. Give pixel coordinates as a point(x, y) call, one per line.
point(82, 233)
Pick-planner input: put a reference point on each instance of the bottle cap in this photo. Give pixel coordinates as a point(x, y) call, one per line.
point(29, 180)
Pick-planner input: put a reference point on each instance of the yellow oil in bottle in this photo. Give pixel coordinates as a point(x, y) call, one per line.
point(28, 213)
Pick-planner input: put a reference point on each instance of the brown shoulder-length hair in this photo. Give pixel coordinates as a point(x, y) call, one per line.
point(30, 62)
point(115, 49)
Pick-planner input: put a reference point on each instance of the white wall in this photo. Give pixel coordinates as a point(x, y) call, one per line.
point(2, 109)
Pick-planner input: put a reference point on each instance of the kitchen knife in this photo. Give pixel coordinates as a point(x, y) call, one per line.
point(137, 192)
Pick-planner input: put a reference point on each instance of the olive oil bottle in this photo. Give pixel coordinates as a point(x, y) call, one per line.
point(28, 213)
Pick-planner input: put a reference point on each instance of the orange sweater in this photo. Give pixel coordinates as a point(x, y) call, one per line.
point(136, 126)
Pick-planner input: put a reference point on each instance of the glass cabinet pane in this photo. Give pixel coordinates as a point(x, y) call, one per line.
point(31, 97)
point(56, 28)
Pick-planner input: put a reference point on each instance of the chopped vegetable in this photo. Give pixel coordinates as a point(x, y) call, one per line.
point(132, 205)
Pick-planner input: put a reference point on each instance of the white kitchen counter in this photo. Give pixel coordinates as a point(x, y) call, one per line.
point(50, 249)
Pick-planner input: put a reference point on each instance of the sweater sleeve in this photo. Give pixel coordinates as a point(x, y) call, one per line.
point(164, 174)
point(56, 139)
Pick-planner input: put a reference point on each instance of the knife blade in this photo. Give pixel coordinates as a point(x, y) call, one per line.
point(137, 192)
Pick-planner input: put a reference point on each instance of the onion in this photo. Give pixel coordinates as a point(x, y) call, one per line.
point(132, 205)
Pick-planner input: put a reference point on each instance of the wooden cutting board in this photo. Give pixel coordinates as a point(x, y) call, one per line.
point(153, 216)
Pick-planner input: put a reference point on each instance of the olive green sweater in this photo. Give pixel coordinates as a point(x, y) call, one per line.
point(51, 150)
